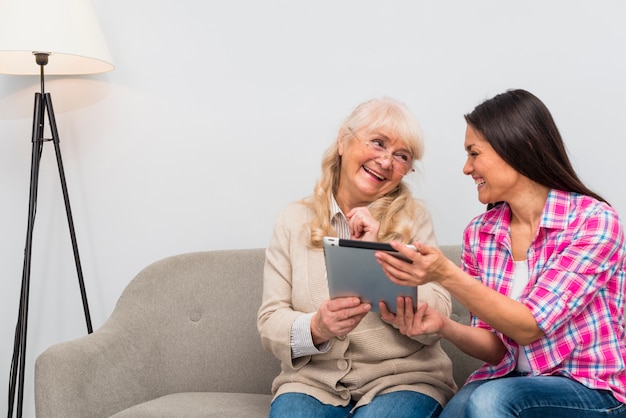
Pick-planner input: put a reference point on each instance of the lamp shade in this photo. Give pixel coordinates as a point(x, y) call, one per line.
point(68, 30)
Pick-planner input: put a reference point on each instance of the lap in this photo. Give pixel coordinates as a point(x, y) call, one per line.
point(530, 397)
point(395, 404)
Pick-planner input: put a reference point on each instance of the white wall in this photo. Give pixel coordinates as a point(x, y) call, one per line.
point(218, 112)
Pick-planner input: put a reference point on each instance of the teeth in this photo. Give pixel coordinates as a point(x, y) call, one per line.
point(479, 182)
point(373, 173)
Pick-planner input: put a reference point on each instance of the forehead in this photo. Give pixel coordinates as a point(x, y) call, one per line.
point(474, 138)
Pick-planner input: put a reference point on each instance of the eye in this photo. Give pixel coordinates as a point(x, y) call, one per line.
point(472, 154)
point(378, 143)
point(401, 157)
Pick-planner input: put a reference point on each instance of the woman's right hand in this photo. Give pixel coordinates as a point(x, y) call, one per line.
point(363, 226)
point(337, 317)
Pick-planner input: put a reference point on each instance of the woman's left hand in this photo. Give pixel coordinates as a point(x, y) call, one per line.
point(412, 323)
point(363, 226)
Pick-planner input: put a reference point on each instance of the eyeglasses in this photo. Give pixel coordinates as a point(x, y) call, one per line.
point(401, 162)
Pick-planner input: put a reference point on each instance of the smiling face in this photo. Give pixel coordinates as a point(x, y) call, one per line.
point(363, 177)
point(496, 180)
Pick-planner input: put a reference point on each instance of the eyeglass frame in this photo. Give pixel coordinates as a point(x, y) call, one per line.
point(384, 153)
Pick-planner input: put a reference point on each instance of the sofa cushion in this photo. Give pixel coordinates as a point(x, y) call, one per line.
point(201, 405)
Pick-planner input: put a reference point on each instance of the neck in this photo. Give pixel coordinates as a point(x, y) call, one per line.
point(346, 204)
point(527, 208)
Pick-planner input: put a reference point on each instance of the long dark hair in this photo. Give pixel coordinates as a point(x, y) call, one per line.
point(523, 133)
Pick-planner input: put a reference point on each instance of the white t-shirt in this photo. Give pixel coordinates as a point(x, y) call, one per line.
point(520, 280)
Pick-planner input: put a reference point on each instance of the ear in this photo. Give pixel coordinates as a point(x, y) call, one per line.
point(341, 141)
point(340, 145)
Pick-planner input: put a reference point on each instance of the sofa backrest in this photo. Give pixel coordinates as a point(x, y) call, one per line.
point(209, 301)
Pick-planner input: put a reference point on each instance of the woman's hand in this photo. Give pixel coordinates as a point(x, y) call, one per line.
point(427, 264)
point(337, 317)
point(424, 320)
point(363, 226)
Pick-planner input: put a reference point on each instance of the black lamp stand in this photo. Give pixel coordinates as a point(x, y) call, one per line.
point(43, 107)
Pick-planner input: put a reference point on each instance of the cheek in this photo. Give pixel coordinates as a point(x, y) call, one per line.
point(354, 156)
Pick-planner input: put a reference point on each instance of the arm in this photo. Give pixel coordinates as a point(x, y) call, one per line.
point(276, 316)
point(477, 342)
point(429, 264)
point(295, 298)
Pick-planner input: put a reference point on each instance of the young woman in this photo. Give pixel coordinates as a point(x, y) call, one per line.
point(338, 358)
point(542, 271)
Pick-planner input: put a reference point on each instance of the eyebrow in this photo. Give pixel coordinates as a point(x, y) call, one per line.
point(387, 139)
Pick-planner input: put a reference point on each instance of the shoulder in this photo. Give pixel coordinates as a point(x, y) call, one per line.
point(420, 208)
point(295, 214)
point(297, 208)
point(573, 208)
point(422, 224)
point(291, 224)
point(489, 219)
point(595, 220)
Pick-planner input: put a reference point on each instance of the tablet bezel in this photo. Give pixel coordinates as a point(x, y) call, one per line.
point(352, 270)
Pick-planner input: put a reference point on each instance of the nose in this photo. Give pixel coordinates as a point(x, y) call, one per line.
point(467, 167)
point(385, 160)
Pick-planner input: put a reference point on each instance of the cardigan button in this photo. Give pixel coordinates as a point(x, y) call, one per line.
point(342, 364)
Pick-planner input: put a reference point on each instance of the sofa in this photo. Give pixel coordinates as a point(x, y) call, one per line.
point(180, 342)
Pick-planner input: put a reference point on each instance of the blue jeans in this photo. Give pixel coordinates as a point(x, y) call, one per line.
point(399, 404)
point(532, 397)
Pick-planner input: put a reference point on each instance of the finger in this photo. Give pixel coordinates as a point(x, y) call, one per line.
point(421, 310)
point(341, 303)
point(385, 313)
point(408, 310)
point(400, 314)
point(410, 252)
point(394, 268)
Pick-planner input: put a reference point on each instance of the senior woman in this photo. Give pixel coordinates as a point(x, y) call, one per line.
point(338, 357)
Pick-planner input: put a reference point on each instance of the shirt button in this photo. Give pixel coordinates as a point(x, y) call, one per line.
point(344, 394)
point(341, 338)
point(342, 364)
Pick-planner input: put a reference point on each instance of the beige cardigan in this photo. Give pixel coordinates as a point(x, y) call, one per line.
point(374, 358)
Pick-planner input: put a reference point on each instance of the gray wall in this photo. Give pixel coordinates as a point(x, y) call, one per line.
point(218, 113)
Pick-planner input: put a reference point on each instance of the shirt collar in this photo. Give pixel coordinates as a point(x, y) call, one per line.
point(335, 210)
point(553, 216)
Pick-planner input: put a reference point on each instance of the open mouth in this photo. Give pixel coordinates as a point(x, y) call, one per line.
point(374, 174)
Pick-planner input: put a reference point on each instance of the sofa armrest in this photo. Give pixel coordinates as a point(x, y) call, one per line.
point(95, 375)
point(186, 323)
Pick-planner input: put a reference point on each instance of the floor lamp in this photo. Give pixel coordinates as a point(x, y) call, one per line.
point(59, 37)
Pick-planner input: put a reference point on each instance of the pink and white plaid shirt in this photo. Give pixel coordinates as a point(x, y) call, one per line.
point(576, 289)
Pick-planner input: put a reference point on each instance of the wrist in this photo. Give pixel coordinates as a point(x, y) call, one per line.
point(316, 335)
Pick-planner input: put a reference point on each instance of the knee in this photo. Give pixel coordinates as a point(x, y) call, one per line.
point(486, 401)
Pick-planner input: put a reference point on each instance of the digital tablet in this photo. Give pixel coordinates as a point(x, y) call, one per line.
point(352, 270)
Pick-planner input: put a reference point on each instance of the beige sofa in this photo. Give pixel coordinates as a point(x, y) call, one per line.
point(181, 342)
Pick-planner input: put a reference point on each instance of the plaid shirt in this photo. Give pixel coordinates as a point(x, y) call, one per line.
point(576, 289)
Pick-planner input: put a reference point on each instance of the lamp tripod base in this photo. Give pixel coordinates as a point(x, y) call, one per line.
point(43, 106)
